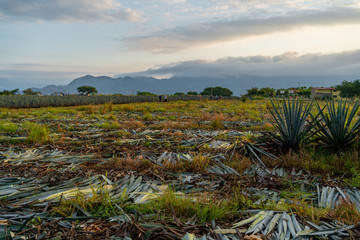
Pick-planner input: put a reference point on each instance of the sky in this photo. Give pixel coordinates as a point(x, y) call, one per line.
point(54, 41)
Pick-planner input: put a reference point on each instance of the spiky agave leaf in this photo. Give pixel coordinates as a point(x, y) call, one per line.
point(291, 122)
point(335, 129)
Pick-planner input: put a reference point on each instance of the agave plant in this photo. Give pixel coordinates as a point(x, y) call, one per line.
point(250, 147)
point(335, 129)
point(291, 122)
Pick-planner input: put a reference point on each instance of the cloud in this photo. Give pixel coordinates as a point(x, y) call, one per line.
point(67, 10)
point(173, 1)
point(201, 34)
point(287, 64)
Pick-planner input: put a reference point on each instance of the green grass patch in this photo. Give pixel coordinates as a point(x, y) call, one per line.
point(36, 133)
point(171, 205)
point(8, 127)
point(112, 125)
point(98, 203)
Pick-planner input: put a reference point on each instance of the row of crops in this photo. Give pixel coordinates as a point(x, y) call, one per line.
point(76, 100)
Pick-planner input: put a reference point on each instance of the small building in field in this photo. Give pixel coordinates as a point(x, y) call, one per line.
point(321, 92)
point(293, 93)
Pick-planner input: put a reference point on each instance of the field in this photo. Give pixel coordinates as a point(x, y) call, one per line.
point(172, 170)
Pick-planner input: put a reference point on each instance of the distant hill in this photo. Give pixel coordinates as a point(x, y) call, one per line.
point(131, 85)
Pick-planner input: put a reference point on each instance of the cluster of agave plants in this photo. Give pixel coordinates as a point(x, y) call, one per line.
point(21, 101)
point(334, 125)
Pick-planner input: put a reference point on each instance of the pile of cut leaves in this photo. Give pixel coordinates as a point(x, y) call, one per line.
point(90, 205)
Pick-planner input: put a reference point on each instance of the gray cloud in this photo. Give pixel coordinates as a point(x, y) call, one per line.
point(287, 64)
point(66, 10)
point(212, 32)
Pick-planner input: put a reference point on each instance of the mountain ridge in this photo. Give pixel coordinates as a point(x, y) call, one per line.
point(131, 85)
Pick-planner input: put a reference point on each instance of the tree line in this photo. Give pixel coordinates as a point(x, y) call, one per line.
point(209, 91)
point(272, 92)
point(349, 88)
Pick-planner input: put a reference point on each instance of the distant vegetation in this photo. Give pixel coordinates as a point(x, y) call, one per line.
point(21, 101)
point(349, 89)
point(30, 92)
point(10, 92)
point(271, 92)
point(217, 91)
point(145, 94)
point(87, 90)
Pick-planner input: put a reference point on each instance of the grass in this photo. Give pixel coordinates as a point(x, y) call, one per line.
point(239, 162)
point(354, 179)
point(309, 211)
point(318, 161)
point(172, 205)
point(198, 164)
point(218, 121)
point(112, 125)
point(345, 212)
point(36, 133)
point(147, 116)
point(99, 203)
point(8, 127)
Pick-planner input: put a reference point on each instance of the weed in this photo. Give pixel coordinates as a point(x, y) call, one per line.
point(91, 109)
point(122, 133)
point(218, 121)
point(171, 204)
point(113, 125)
point(36, 133)
point(239, 162)
point(111, 117)
point(98, 203)
point(134, 124)
point(354, 181)
point(309, 211)
point(198, 164)
point(127, 108)
point(205, 116)
point(8, 127)
point(318, 160)
point(345, 212)
point(147, 116)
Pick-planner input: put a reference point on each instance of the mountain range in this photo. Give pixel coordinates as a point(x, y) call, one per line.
point(239, 84)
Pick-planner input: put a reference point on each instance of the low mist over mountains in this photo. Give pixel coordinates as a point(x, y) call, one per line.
point(239, 85)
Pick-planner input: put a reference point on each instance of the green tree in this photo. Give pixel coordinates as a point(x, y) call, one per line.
point(29, 91)
point(10, 92)
point(87, 89)
point(145, 94)
point(252, 91)
point(267, 92)
point(217, 91)
point(349, 89)
point(179, 94)
point(192, 93)
point(305, 91)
